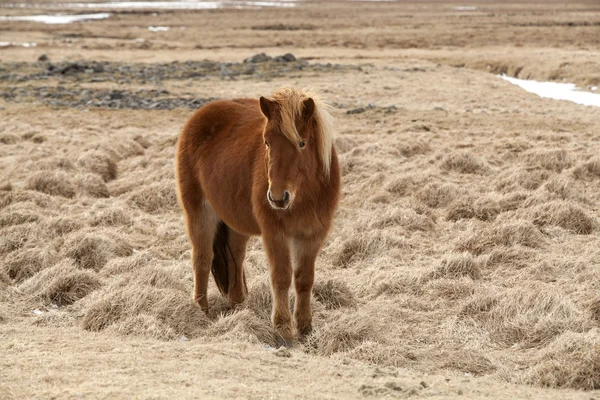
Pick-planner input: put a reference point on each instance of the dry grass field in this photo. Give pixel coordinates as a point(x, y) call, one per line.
point(465, 255)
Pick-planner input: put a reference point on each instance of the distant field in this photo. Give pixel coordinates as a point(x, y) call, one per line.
point(465, 256)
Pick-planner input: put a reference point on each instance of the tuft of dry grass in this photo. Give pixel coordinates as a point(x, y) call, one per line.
point(122, 265)
point(22, 264)
point(115, 308)
point(464, 163)
point(93, 250)
point(458, 266)
point(242, 324)
point(62, 284)
point(566, 215)
point(552, 160)
point(437, 195)
point(406, 218)
point(334, 294)
point(484, 209)
point(100, 163)
point(19, 236)
point(113, 216)
point(156, 197)
point(17, 217)
point(53, 183)
point(588, 170)
point(522, 233)
point(92, 185)
point(570, 361)
point(342, 332)
point(359, 248)
point(530, 315)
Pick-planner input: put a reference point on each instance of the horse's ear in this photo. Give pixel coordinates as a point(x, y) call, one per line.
point(309, 108)
point(266, 106)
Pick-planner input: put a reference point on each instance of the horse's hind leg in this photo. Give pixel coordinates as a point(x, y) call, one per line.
point(237, 277)
point(201, 222)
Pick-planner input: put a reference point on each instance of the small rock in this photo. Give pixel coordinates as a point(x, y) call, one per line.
point(356, 111)
point(288, 57)
point(283, 352)
point(116, 96)
point(393, 386)
point(459, 392)
point(424, 384)
point(43, 58)
point(249, 70)
point(225, 72)
point(258, 58)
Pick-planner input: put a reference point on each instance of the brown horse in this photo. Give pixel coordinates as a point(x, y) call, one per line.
point(247, 167)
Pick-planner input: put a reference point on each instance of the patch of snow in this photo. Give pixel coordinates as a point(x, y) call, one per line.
point(38, 311)
point(158, 28)
point(557, 91)
point(164, 5)
point(15, 44)
point(57, 18)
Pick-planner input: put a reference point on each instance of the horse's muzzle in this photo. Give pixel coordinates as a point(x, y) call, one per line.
point(281, 204)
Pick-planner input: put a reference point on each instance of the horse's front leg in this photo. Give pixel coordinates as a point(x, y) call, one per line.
point(280, 269)
point(304, 254)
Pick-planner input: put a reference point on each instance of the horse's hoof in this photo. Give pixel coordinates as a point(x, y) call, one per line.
point(281, 341)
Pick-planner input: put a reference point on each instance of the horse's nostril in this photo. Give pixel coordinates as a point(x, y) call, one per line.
point(286, 196)
point(269, 196)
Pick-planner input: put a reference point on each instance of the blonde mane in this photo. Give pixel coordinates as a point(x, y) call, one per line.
point(291, 104)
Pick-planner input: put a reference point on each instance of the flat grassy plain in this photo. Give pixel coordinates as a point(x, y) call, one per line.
point(465, 256)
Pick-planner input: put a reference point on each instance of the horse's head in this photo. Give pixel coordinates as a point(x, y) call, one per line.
point(292, 146)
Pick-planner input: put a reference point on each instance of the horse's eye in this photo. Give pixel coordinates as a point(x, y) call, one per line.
point(302, 144)
point(267, 144)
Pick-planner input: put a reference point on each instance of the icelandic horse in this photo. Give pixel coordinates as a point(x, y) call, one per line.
point(263, 167)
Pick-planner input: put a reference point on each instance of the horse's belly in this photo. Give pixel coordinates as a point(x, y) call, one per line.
point(233, 206)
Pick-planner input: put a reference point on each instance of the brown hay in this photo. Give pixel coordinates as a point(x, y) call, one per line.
point(119, 150)
point(17, 217)
point(15, 237)
point(588, 170)
point(53, 183)
point(242, 324)
point(22, 264)
point(464, 163)
point(466, 361)
point(437, 195)
point(522, 233)
point(143, 325)
point(156, 197)
point(6, 187)
point(92, 185)
point(571, 361)
point(566, 215)
point(530, 315)
point(414, 148)
point(115, 309)
point(4, 279)
point(62, 284)
point(99, 163)
point(552, 160)
point(341, 332)
point(63, 225)
point(458, 266)
point(153, 276)
point(259, 299)
point(406, 218)
point(484, 209)
point(115, 216)
point(382, 355)
point(334, 294)
point(137, 262)
point(360, 248)
point(93, 250)
point(9, 138)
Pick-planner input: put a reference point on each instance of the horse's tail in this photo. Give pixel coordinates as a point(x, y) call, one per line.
point(220, 263)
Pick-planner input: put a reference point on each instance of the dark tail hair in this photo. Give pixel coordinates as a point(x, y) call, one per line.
point(220, 267)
